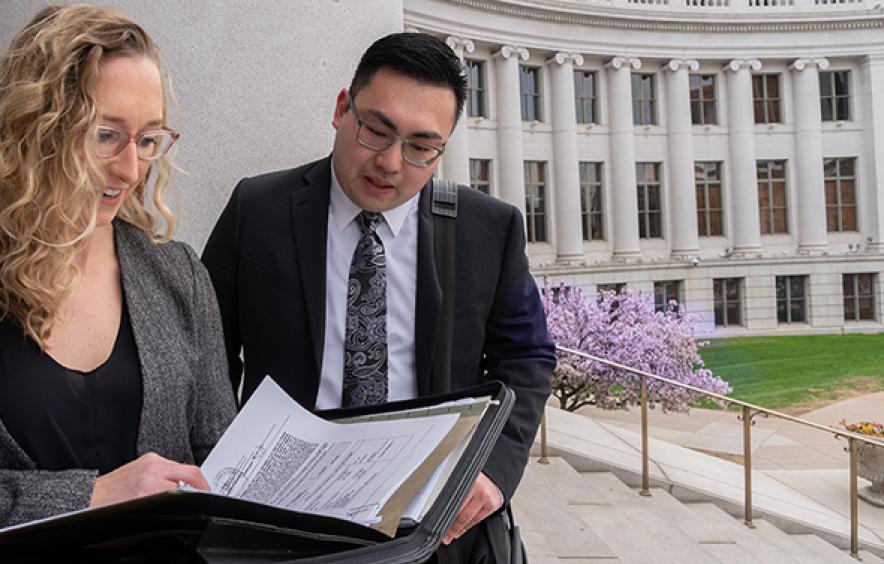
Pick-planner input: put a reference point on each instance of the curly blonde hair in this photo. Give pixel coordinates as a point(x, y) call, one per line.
point(48, 174)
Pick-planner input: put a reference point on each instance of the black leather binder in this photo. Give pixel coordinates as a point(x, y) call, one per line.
point(196, 527)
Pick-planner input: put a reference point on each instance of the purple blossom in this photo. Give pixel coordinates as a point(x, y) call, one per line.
point(624, 328)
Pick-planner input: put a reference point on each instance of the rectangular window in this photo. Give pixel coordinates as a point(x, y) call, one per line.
point(586, 96)
point(650, 209)
point(772, 196)
point(835, 95)
point(727, 298)
point(766, 97)
point(791, 301)
point(644, 99)
point(666, 292)
point(859, 297)
point(702, 88)
point(840, 178)
point(591, 201)
point(535, 201)
point(480, 175)
point(615, 287)
point(476, 89)
point(529, 88)
point(707, 179)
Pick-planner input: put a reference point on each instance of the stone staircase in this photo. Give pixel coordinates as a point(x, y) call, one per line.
point(582, 518)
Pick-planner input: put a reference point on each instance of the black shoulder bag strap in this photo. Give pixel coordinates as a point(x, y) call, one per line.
point(444, 210)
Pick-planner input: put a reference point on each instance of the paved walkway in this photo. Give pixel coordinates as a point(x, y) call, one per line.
point(776, 444)
point(801, 473)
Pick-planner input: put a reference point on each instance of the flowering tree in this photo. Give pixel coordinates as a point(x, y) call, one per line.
point(624, 328)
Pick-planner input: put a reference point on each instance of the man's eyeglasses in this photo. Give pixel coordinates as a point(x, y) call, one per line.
point(379, 137)
point(149, 145)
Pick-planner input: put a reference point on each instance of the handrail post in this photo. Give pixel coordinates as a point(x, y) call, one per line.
point(854, 505)
point(544, 447)
point(646, 477)
point(747, 467)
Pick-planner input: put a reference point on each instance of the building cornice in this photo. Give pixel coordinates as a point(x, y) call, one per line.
point(649, 20)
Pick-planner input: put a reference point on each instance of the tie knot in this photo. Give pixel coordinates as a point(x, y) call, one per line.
point(368, 221)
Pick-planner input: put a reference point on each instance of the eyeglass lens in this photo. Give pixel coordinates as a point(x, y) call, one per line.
point(149, 145)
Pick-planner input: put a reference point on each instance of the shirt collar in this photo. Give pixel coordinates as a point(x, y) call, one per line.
point(344, 211)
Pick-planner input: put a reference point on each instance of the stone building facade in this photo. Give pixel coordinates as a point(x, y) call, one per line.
point(726, 154)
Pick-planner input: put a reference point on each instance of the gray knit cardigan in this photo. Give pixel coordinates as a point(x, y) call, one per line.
point(188, 401)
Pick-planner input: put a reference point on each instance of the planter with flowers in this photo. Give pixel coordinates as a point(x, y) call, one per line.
point(870, 460)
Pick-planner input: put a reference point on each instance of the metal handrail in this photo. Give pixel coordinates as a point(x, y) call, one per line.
point(749, 411)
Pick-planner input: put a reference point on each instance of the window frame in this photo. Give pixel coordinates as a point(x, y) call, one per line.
point(839, 207)
point(720, 302)
point(592, 220)
point(643, 195)
point(478, 92)
point(831, 100)
point(855, 296)
point(704, 185)
point(477, 182)
point(700, 117)
point(533, 99)
point(667, 289)
point(638, 99)
point(787, 299)
point(770, 184)
point(765, 99)
point(580, 97)
point(536, 233)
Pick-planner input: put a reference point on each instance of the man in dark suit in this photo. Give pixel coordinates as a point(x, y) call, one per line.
point(326, 278)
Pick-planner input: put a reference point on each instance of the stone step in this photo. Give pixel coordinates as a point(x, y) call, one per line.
point(828, 551)
point(761, 549)
point(571, 484)
point(788, 543)
point(540, 510)
point(637, 533)
point(869, 558)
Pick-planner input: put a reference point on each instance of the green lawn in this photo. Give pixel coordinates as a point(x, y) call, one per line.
point(796, 372)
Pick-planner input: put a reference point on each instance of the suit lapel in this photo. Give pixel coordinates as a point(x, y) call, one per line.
point(429, 296)
point(309, 228)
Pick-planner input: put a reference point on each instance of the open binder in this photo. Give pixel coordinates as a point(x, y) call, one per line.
point(196, 527)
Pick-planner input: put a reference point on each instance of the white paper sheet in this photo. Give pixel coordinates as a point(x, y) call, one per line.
point(278, 453)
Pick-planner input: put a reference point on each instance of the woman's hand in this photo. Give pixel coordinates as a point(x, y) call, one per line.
point(148, 474)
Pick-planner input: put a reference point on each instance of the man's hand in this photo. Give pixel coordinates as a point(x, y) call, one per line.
point(483, 500)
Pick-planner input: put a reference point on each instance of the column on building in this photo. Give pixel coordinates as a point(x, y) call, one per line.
point(509, 125)
point(624, 199)
point(812, 232)
point(743, 187)
point(456, 163)
point(569, 235)
point(682, 191)
point(872, 158)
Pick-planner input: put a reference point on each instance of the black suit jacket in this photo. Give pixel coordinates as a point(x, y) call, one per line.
point(267, 260)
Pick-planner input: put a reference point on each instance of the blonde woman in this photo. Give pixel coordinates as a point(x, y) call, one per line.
point(113, 379)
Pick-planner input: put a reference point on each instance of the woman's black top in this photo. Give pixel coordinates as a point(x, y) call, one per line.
point(64, 418)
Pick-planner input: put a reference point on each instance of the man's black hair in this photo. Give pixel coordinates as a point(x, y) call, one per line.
point(421, 57)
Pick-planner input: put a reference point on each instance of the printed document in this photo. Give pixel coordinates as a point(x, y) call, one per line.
point(278, 453)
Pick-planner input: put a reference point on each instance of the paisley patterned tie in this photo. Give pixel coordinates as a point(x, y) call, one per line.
point(365, 338)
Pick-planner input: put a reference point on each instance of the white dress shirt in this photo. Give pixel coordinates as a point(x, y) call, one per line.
point(398, 232)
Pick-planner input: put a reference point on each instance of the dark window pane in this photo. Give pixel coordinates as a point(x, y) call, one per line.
point(842, 109)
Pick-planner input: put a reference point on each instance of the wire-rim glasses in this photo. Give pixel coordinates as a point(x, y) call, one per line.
point(379, 137)
point(149, 145)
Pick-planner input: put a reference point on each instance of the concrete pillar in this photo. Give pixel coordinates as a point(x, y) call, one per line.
point(872, 158)
point(509, 125)
point(456, 162)
point(682, 191)
point(743, 187)
point(569, 236)
point(624, 200)
point(812, 232)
